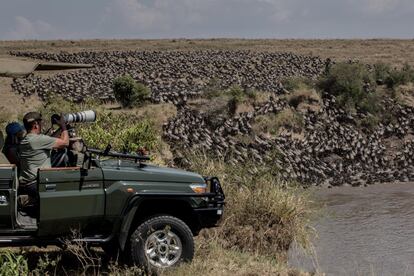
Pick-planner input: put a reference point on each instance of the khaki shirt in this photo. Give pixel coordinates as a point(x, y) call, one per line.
point(3, 159)
point(35, 150)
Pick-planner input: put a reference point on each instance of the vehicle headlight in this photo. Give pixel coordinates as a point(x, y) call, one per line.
point(199, 188)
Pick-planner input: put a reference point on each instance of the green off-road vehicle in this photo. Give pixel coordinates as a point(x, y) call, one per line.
point(116, 201)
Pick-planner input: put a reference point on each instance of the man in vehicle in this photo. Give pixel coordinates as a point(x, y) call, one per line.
point(35, 150)
point(15, 133)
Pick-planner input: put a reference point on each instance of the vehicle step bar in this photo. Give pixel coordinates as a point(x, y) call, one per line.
point(26, 241)
point(35, 241)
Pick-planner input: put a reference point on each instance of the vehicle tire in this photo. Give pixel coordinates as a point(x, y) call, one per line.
point(161, 242)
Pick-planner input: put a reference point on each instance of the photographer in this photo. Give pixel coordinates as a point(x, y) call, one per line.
point(35, 150)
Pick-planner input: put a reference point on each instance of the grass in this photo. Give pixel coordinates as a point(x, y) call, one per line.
point(272, 123)
point(264, 214)
point(231, 262)
point(297, 83)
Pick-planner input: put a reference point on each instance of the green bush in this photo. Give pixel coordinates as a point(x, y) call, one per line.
point(351, 83)
point(397, 77)
point(128, 92)
point(57, 105)
point(123, 131)
point(381, 72)
point(240, 95)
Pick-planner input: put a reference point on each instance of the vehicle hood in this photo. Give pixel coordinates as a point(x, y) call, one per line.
point(129, 171)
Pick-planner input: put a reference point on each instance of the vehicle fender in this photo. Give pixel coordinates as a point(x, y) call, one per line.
point(127, 221)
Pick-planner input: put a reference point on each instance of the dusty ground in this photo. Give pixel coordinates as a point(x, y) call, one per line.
point(392, 51)
point(12, 104)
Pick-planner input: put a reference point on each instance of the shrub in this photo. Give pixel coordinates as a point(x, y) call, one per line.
point(400, 77)
point(271, 123)
point(371, 103)
point(58, 105)
point(213, 89)
point(122, 130)
point(294, 83)
point(128, 92)
point(139, 135)
point(369, 122)
point(238, 94)
point(299, 96)
point(381, 72)
point(232, 97)
point(264, 215)
point(349, 82)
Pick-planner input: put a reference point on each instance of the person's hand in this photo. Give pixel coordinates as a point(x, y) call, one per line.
point(62, 122)
point(142, 151)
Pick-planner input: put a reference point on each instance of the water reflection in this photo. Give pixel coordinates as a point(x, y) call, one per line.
point(367, 231)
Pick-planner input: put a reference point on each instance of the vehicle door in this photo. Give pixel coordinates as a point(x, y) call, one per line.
point(70, 199)
point(8, 180)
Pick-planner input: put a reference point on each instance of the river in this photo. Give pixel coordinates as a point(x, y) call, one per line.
point(365, 231)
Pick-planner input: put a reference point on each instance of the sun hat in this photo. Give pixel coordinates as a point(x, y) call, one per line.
point(14, 128)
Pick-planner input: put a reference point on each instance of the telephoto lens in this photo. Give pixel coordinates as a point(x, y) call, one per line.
point(88, 116)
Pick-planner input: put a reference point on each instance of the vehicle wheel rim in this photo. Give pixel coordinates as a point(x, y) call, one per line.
point(163, 248)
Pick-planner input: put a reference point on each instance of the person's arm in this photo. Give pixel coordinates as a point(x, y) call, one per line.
point(63, 141)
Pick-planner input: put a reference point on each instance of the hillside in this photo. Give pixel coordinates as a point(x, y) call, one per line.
point(304, 134)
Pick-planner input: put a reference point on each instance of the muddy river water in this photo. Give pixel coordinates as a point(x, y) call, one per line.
point(365, 231)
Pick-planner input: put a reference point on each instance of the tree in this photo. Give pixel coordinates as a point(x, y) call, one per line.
point(128, 92)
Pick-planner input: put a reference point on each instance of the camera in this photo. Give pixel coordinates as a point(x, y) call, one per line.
point(87, 116)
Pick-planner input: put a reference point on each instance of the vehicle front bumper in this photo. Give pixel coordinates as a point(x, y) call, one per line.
point(210, 215)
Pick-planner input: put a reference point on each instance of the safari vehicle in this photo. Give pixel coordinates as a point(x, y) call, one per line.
point(116, 201)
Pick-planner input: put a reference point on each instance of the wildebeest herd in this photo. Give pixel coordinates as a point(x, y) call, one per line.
point(170, 75)
point(333, 149)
